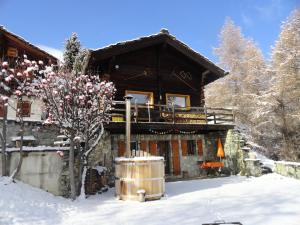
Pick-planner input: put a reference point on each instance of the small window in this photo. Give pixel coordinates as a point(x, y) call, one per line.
point(24, 108)
point(134, 146)
point(191, 147)
point(141, 97)
point(180, 101)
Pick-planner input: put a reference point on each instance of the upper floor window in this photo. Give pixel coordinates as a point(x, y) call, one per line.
point(180, 101)
point(141, 97)
point(24, 108)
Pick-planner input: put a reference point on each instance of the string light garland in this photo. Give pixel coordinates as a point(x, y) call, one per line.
point(171, 131)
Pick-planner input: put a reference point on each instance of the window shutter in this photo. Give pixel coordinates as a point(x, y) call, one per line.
point(1, 109)
point(143, 146)
point(24, 108)
point(184, 147)
point(175, 157)
point(200, 148)
point(153, 147)
point(121, 148)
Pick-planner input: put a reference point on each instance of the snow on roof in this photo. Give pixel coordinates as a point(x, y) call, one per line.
point(25, 138)
point(25, 41)
point(38, 149)
point(288, 163)
point(161, 33)
point(149, 158)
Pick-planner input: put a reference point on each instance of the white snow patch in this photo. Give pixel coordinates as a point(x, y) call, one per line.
point(38, 148)
point(288, 163)
point(146, 158)
point(267, 200)
point(100, 169)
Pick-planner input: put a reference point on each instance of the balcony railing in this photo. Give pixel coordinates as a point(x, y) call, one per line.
point(172, 114)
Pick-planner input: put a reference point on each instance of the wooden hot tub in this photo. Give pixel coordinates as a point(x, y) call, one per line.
point(140, 174)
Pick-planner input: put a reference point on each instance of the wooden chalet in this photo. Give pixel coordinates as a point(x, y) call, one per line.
point(166, 79)
point(13, 46)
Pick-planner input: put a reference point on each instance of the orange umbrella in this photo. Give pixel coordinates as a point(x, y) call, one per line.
point(220, 152)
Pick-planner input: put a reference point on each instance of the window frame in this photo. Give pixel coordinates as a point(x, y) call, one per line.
point(194, 147)
point(187, 100)
point(21, 111)
point(149, 93)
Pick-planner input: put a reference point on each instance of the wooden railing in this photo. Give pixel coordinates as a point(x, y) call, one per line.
point(171, 114)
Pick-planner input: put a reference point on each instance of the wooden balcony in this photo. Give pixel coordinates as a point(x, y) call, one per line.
point(163, 119)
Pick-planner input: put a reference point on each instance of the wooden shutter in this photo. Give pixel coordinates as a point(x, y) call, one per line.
point(175, 157)
point(24, 108)
point(184, 147)
point(121, 148)
point(153, 147)
point(200, 147)
point(1, 109)
point(143, 146)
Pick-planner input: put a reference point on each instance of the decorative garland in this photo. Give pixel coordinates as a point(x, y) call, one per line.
point(171, 131)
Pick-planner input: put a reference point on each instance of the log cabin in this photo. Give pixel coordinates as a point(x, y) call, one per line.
point(165, 79)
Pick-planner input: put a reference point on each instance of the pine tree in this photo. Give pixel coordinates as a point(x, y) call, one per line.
point(285, 88)
point(72, 48)
point(240, 88)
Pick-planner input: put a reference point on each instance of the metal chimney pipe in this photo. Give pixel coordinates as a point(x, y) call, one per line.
point(128, 124)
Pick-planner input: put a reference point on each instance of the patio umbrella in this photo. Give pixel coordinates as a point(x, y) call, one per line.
point(220, 151)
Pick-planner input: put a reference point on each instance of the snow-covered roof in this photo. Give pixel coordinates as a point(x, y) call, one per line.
point(25, 138)
point(162, 36)
point(38, 149)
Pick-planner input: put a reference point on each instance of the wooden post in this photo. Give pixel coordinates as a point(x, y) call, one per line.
point(128, 123)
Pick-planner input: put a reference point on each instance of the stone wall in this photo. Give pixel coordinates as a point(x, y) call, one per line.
point(289, 169)
point(41, 169)
point(44, 135)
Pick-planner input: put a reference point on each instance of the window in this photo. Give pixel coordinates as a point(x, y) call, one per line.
point(181, 101)
point(24, 108)
point(191, 147)
point(141, 97)
point(134, 146)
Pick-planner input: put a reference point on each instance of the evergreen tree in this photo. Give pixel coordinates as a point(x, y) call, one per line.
point(72, 48)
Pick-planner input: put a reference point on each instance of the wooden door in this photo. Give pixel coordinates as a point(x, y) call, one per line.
point(200, 148)
point(175, 157)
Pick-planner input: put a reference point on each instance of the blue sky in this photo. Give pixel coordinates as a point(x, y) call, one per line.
point(99, 23)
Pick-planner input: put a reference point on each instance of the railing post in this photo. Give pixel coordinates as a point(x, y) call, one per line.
point(205, 112)
point(128, 123)
point(215, 122)
point(173, 111)
point(135, 112)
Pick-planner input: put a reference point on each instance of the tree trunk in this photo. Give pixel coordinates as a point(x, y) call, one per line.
point(71, 167)
point(16, 172)
point(3, 148)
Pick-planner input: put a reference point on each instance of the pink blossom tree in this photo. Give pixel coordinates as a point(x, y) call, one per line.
point(16, 82)
point(78, 105)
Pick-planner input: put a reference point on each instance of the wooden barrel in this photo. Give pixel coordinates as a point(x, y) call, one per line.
point(133, 175)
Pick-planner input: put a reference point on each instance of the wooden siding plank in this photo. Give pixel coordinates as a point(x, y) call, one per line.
point(184, 147)
point(121, 148)
point(200, 147)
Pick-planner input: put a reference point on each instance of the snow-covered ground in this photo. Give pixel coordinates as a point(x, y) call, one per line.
point(270, 199)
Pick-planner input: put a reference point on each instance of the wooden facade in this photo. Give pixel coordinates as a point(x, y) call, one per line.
point(13, 47)
point(159, 64)
point(160, 68)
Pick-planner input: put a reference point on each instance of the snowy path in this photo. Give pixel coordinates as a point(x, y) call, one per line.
point(270, 199)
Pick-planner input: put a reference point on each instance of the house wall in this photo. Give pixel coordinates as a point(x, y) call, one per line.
point(35, 112)
point(189, 165)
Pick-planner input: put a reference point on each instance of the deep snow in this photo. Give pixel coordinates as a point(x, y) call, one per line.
point(270, 199)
